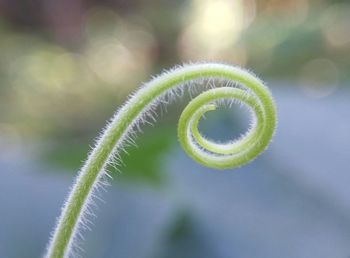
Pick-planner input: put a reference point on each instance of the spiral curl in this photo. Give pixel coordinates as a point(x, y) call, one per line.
point(224, 155)
point(121, 127)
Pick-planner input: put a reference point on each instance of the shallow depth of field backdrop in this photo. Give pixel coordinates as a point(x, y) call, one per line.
point(65, 66)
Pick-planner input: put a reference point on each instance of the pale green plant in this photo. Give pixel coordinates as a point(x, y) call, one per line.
point(239, 86)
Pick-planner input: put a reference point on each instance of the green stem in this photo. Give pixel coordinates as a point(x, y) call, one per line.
point(233, 154)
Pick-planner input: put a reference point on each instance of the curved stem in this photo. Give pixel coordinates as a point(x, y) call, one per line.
point(138, 107)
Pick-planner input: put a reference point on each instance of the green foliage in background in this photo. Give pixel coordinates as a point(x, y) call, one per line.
point(137, 167)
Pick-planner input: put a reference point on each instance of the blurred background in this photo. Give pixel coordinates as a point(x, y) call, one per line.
point(65, 66)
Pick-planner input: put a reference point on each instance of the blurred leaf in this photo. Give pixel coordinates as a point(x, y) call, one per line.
point(146, 161)
point(143, 163)
point(67, 155)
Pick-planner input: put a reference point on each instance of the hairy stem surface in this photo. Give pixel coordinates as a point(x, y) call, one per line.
point(251, 92)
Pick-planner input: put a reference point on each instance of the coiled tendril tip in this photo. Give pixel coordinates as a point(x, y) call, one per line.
point(251, 92)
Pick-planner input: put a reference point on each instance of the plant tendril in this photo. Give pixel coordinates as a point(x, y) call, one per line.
point(140, 109)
